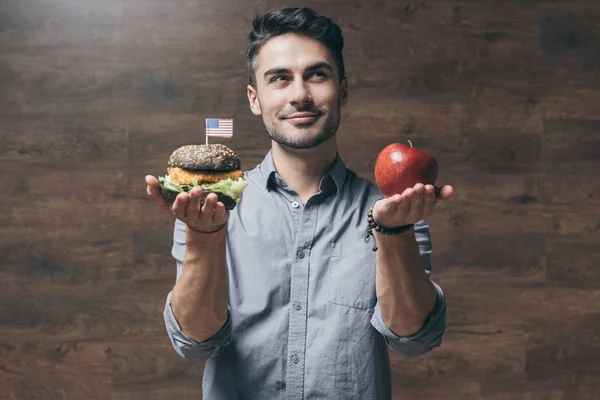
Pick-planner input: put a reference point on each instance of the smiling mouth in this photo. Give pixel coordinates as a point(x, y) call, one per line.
point(303, 119)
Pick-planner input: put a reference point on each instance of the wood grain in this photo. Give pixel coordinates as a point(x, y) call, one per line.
point(95, 95)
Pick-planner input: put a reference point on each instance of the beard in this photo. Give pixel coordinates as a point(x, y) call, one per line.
point(302, 137)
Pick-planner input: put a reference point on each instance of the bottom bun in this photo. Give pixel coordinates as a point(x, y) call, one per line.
point(170, 196)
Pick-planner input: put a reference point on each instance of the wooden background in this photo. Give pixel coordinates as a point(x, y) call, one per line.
point(96, 94)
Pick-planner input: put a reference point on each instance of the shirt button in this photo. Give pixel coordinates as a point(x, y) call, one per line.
point(298, 306)
point(300, 254)
point(295, 359)
point(295, 204)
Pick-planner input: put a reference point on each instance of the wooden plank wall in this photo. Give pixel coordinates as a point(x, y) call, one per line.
point(96, 94)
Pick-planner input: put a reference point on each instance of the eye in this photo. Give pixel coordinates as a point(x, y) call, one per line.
point(278, 78)
point(318, 75)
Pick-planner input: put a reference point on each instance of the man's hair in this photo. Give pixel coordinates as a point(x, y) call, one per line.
point(304, 21)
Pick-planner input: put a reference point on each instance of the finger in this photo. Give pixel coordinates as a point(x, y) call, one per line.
point(150, 191)
point(416, 206)
point(444, 192)
point(391, 204)
point(429, 200)
point(393, 200)
point(208, 209)
point(152, 181)
point(397, 205)
point(153, 191)
point(152, 186)
point(193, 207)
point(157, 197)
point(180, 205)
point(408, 194)
point(219, 215)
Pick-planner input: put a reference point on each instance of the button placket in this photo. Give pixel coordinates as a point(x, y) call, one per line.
point(299, 306)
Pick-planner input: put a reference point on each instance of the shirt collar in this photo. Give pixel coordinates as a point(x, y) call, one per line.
point(332, 181)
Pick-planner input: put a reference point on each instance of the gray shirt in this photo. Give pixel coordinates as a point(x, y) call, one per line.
point(303, 319)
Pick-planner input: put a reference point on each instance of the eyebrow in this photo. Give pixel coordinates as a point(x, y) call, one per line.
point(310, 68)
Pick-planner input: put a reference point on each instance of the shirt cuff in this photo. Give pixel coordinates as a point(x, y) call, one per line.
point(188, 347)
point(431, 332)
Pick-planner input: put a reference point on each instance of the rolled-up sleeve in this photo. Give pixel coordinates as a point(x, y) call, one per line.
point(189, 348)
point(185, 346)
point(429, 337)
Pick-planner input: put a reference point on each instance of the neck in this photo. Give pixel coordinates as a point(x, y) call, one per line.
point(302, 169)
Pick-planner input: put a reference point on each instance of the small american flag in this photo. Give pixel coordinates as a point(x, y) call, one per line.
point(219, 127)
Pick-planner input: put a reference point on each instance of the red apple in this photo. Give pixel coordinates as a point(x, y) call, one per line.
point(399, 167)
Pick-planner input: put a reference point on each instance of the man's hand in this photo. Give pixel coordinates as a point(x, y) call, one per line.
point(208, 218)
point(409, 207)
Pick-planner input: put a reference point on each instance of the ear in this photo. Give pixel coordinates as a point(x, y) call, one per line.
point(253, 100)
point(344, 91)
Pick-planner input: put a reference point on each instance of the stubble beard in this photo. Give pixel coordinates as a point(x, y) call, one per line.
point(302, 137)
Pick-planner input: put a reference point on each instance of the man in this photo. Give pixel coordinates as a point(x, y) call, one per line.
point(282, 297)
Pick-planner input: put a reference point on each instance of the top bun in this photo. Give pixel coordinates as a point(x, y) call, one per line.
point(205, 157)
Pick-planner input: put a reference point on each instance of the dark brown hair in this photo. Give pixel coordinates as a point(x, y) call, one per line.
point(304, 21)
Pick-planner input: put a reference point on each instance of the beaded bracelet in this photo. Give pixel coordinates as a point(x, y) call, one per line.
point(383, 230)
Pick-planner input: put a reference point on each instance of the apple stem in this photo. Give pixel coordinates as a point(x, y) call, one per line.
point(409, 142)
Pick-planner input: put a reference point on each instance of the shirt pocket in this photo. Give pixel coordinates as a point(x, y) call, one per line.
point(351, 275)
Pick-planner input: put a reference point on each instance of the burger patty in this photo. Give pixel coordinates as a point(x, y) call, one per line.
point(185, 176)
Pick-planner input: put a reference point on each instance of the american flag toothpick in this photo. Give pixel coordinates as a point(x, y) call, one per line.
point(219, 127)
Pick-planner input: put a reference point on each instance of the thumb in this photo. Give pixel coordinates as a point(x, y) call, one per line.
point(444, 192)
point(151, 180)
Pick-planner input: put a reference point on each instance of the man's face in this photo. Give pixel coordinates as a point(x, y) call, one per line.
point(298, 92)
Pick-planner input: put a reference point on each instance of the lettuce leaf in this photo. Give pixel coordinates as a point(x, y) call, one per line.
point(228, 187)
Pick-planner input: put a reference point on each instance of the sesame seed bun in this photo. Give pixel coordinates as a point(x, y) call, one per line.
point(204, 157)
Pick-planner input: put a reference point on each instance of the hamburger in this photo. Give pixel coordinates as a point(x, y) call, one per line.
point(213, 167)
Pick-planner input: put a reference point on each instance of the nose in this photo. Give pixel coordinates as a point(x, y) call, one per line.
point(300, 93)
